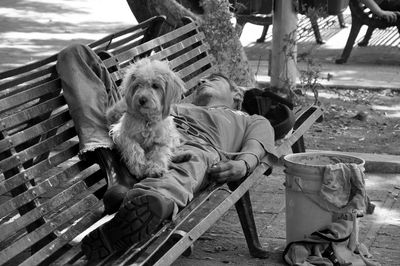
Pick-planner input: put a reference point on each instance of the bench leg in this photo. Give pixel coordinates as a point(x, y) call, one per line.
point(342, 23)
point(299, 146)
point(263, 34)
point(355, 29)
point(317, 33)
point(246, 217)
point(367, 37)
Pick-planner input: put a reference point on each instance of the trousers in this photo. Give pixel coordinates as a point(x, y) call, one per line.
point(86, 85)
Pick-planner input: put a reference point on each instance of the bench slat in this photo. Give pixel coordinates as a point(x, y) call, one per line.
point(136, 38)
point(150, 45)
point(181, 59)
point(187, 72)
point(38, 74)
point(52, 185)
point(28, 240)
point(177, 49)
point(32, 112)
point(88, 219)
point(37, 169)
point(171, 51)
point(25, 95)
point(7, 230)
point(38, 149)
point(55, 121)
point(28, 67)
point(144, 25)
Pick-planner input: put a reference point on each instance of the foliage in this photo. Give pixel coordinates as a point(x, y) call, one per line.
point(224, 43)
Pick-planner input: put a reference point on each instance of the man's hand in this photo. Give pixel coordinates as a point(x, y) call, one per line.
point(227, 171)
point(390, 16)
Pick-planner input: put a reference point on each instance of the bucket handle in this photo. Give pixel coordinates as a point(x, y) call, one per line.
point(296, 180)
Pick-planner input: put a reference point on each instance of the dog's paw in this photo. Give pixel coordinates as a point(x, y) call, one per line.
point(114, 113)
point(155, 172)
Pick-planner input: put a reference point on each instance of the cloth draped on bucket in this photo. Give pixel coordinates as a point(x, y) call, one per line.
point(343, 189)
point(343, 186)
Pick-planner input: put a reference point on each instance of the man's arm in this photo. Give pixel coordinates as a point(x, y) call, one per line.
point(234, 170)
point(390, 16)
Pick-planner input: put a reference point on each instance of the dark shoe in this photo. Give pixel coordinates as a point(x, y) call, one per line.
point(113, 198)
point(140, 215)
point(110, 161)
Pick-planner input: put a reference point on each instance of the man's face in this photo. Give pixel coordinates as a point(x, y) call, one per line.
point(213, 90)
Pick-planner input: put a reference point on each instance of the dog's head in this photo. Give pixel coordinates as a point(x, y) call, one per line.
point(150, 87)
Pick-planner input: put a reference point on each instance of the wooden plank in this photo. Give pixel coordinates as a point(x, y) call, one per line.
point(127, 47)
point(38, 149)
point(144, 24)
point(120, 43)
point(70, 256)
point(184, 58)
point(152, 44)
point(57, 181)
point(26, 86)
point(42, 73)
point(32, 172)
point(41, 128)
point(28, 95)
point(32, 112)
point(28, 67)
point(177, 49)
point(53, 224)
point(186, 72)
point(7, 230)
point(89, 218)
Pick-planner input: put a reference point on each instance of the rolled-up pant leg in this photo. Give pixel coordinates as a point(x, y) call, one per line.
point(85, 82)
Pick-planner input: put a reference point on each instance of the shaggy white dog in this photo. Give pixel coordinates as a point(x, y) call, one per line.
point(140, 124)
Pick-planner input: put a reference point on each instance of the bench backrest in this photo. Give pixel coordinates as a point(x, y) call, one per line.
point(48, 196)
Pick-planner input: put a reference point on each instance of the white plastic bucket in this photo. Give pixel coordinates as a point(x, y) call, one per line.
point(304, 172)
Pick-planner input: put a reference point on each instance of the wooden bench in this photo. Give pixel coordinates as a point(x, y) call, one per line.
point(361, 15)
point(50, 198)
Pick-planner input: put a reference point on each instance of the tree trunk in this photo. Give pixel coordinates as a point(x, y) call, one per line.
point(214, 18)
point(284, 49)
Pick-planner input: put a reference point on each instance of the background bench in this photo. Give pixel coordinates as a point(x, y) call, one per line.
point(49, 196)
point(361, 15)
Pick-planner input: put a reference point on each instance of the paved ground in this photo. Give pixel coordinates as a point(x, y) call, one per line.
point(34, 29)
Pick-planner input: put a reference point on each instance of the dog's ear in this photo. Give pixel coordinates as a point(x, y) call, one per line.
point(174, 89)
point(131, 74)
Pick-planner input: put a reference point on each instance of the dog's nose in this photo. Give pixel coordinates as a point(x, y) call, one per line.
point(142, 100)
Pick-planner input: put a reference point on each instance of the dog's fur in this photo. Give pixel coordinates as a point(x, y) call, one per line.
point(140, 124)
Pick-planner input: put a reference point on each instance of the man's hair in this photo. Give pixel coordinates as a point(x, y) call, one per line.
point(219, 74)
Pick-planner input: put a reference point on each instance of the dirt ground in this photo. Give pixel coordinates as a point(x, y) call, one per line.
point(365, 121)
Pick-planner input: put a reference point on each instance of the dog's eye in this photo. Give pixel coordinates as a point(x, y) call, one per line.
point(155, 86)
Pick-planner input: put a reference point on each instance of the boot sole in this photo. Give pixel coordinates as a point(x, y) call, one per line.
point(135, 221)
